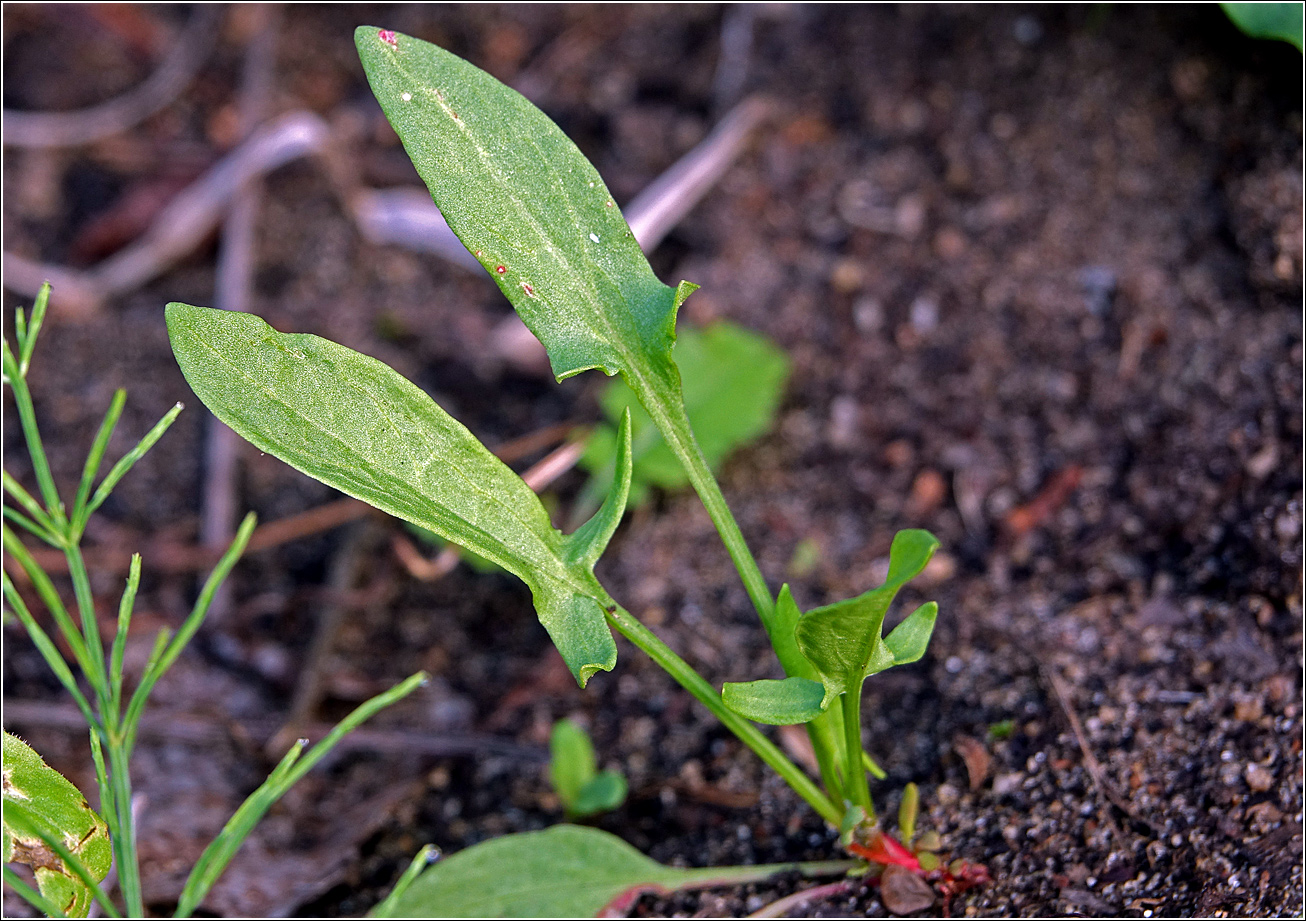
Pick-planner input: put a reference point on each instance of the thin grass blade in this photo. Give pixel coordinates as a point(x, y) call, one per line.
point(291, 768)
point(32, 435)
point(48, 650)
point(428, 855)
point(163, 661)
point(50, 597)
point(136, 706)
point(80, 511)
point(129, 460)
point(35, 529)
point(27, 340)
point(120, 640)
point(34, 509)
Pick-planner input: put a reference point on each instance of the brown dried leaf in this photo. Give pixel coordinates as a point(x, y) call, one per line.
point(903, 892)
point(976, 758)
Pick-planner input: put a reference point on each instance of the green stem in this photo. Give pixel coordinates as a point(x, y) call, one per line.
point(96, 674)
point(125, 856)
point(856, 786)
point(27, 418)
point(750, 735)
point(667, 410)
point(826, 747)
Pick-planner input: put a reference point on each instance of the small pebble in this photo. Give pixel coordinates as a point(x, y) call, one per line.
point(1259, 778)
point(1027, 30)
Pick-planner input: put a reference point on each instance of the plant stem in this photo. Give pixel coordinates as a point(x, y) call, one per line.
point(668, 413)
point(96, 675)
point(125, 856)
point(667, 409)
point(750, 735)
point(855, 784)
point(27, 418)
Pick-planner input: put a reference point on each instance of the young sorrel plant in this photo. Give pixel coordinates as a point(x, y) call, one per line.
point(47, 823)
point(574, 772)
point(535, 213)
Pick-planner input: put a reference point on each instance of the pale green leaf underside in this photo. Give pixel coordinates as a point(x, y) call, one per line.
point(357, 425)
point(777, 703)
point(529, 206)
point(38, 796)
point(844, 640)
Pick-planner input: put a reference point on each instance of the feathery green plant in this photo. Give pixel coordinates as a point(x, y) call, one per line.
point(47, 823)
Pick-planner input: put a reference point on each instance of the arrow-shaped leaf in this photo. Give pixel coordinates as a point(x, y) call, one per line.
point(356, 424)
point(844, 640)
point(529, 206)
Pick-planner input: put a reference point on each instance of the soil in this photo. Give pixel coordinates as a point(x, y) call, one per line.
point(1039, 271)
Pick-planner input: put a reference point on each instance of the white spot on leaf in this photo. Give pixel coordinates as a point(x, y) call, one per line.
point(594, 237)
point(406, 97)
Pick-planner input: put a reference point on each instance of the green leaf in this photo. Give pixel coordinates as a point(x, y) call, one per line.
point(562, 872)
point(908, 809)
point(784, 640)
point(776, 703)
point(844, 640)
point(529, 206)
point(572, 762)
point(906, 642)
point(1281, 21)
point(37, 796)
point(359, 426)
point(573, 771)
point(605, 792)
point(587, 543)
point(732, 380)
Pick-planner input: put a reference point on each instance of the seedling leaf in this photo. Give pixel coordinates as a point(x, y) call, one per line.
point(605, 792)
point(906, 642)
point(356, 424)
point(844, 640)
point(784, 641)
point(587, 543)
point(572, 762)
point(573, 770)
point(776, 703)
point(562, 872)
point(36, 795)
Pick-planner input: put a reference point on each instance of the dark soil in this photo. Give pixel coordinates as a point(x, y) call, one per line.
point(1039, 271)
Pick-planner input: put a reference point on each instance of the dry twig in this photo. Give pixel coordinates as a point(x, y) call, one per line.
point(67, 129)
point(219, 508)
point(179, 228)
